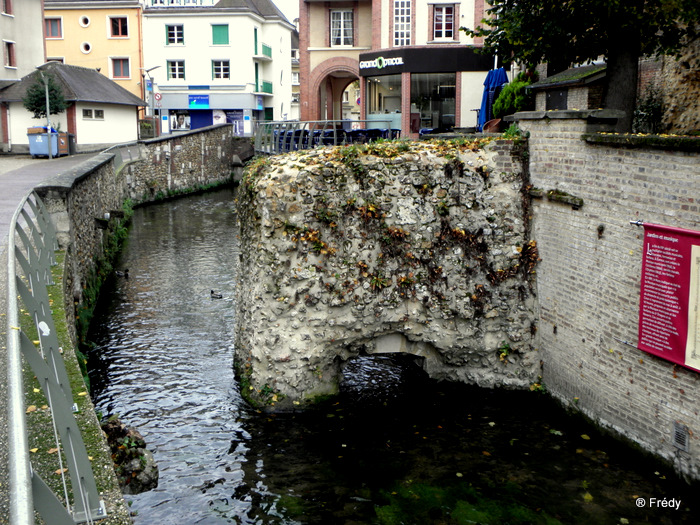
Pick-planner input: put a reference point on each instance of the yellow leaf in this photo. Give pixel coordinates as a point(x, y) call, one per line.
point(82, 393)
point(44, 407)
point(33, 450)
point(31, 408)
point(60, 471)
point(587, 496)
point(585, 436)
point(36, 390)
point(52, 450)
point(486, 453)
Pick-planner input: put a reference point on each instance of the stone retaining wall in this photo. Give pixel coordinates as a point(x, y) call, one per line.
point(410, 247)
point(588, 281)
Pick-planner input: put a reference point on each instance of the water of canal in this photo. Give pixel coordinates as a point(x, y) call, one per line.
point(394, 448)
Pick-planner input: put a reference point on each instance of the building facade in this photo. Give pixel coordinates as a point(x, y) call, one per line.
point(97, 34)
point(208, 64)
point(20, 55)
point(415, 69)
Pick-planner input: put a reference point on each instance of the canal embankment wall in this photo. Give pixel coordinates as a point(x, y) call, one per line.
point(588, 279)
point(87, 203)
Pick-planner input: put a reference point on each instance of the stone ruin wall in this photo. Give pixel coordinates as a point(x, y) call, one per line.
point(411, 247)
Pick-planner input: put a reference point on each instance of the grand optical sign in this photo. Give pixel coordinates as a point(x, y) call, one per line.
point(381, 63)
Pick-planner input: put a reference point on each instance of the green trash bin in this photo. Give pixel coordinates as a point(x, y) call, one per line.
point(39, 142)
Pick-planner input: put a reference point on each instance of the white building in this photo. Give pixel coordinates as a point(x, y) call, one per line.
point(100, 112)
point(209, 64)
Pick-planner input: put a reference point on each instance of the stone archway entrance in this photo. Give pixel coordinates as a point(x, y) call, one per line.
point(326, 86)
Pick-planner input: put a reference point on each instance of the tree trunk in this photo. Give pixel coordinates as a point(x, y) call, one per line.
point(622, 68)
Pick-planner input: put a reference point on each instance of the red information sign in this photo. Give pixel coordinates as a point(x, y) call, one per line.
point(670, 293)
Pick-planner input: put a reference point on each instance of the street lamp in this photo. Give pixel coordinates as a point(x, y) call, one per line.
point(147, 72)
point(48, 110)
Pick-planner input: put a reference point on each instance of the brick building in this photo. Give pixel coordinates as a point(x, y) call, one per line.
point(416, 70)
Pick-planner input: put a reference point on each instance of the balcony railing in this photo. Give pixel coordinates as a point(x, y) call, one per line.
point(264, 87)
point(267, 51)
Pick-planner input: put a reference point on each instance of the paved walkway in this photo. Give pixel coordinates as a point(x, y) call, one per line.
point(18, 175)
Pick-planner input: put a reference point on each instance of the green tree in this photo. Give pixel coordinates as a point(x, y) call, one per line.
point(580, 31)
point(35, 98)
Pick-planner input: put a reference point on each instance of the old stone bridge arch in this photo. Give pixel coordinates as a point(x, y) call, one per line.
point(419, 248)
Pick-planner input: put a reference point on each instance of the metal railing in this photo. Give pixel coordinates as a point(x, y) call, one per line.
point(31, 246)
point(291, 135)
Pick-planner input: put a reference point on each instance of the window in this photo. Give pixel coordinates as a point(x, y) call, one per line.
point(9, 54)
point(119, 26)
point(93, 114)
point(221, 69)
point(53, 28)
point(341, 27)
point(402, 22)
point(219, 35)
point(433, 98)
point(443, 25)
point(174, 34)
point(7, 7)
point(176, 69)
point(295, 78)
point(120, 68)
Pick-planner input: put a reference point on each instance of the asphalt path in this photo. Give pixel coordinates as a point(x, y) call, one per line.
point(18, 175)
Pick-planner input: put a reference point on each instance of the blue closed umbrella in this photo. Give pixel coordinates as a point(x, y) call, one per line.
point(495, 79)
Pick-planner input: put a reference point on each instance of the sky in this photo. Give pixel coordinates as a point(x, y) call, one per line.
point(290, 8)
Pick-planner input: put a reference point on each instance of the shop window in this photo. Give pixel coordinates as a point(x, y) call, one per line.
point(119, 27)
point(221, 69)
point(176, 69)
point(443, 22)
point(384, 94)
point(341, 27)
point(10, 54)
point(402, 22)
point(54, 28)
point(120, 68)
point(432, 101)
point(174, 34)
point(219, 34)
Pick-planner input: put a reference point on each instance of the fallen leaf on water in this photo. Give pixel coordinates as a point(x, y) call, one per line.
point(585, 436)
point(486, 453)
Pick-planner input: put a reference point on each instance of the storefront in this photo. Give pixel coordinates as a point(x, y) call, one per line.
point(186, 111)
point(421, 89)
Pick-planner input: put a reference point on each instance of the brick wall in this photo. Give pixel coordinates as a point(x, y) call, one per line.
point(588, 281)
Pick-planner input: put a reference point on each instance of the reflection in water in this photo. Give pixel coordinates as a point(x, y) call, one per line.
point(395, 447)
